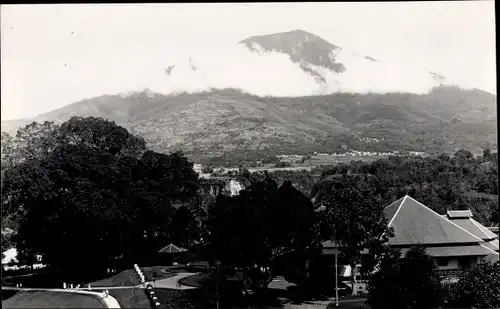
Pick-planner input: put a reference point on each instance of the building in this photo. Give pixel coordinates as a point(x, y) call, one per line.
point(455, 240)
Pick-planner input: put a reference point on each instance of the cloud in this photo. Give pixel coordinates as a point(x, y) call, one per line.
point(274, 74)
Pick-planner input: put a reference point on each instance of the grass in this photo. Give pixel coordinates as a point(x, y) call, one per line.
point(129, 277)
point(125, 278)
point(131, 298)
point(46, 299)
point(181, 298)
point(195, 280)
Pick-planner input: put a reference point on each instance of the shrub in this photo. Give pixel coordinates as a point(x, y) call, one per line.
point(479, 288)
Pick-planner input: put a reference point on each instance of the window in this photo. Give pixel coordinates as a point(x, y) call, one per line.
point(442, 262)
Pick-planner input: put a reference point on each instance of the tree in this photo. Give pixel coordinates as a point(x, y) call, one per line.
point(479, 287)
point(354, 218)
point(255, 230)
point(95, 197)
point(36, 141)
point(410, 282)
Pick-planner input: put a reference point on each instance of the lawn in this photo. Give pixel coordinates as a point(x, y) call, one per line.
point(46, 299)
point(195, 280)
point(129, 277)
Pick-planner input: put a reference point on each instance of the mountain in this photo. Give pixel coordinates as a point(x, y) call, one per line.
point(231, 122)
point(223, 122)
point(303, 48)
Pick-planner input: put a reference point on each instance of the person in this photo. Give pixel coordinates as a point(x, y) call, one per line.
point(106, 293)
point(64, 285)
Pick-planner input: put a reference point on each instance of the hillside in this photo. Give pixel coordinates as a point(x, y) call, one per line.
point(229, 121)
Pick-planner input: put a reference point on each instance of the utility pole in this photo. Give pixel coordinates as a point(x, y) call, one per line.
point(216, 282)
point(336, 282)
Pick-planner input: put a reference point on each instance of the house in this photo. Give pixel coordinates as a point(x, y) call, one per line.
point(455, 240)
point(457, 243)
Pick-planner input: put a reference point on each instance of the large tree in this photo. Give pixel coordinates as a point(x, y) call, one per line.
point(259, 228)
point(96, 196)
point(353, 218)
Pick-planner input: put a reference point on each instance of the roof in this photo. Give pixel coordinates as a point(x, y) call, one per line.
point(459, 214)
point(172, 249)
point(494, 229)
point(474, 227)
point(493, 245)
point(415, 223)
point(446, 251)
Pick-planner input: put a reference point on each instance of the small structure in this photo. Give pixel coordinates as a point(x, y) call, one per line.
point(170, 252)
point(172, 249)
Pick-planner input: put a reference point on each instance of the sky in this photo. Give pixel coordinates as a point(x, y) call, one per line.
point(54, 55)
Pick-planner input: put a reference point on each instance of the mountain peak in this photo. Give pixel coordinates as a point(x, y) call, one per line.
point(303, 47)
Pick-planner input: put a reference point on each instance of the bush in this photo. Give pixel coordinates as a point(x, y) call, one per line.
point(410, 282)
point(208, 170)
point(479, 288)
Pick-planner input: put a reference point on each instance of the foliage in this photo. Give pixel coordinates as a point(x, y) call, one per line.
point(353, 217)
point(96, 193)
point(441, 182)
point(409, 282)
point(260, 227)
point(478, 288)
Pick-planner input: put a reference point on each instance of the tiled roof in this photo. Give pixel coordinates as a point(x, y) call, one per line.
point(472, 250)
point(474, 227)
point(415, 223)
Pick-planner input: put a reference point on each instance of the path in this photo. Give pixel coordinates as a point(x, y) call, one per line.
point(109, 301)
point(173, 282)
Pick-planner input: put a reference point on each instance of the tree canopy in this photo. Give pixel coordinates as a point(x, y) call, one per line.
point(96, 196)
point(258, 228)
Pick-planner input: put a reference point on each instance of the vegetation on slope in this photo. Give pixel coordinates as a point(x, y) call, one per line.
point(231, 123)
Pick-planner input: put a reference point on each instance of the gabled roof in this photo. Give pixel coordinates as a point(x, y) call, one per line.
point(172, 249)
point(471, 225)
point(415, 223)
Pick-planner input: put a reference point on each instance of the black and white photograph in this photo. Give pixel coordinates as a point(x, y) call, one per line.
point(294, 155)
